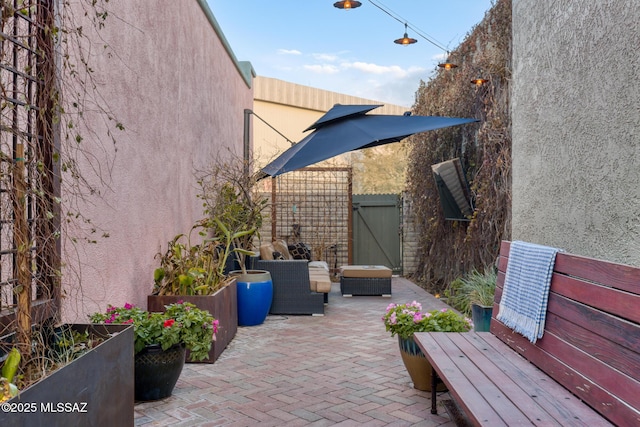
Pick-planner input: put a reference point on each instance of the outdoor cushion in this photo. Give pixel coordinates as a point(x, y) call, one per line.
point(300, 251)
point(319, 264)
point(266, 251)
point(365, 271)
point(281, 246)
point(319, 280)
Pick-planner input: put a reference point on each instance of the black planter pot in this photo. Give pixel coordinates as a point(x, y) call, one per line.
point(157, 371)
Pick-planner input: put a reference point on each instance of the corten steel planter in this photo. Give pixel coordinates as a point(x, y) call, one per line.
point(93, 390)
point(223, 307)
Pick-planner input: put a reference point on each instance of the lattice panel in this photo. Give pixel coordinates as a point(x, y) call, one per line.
point(26, 144)
point(312, 205)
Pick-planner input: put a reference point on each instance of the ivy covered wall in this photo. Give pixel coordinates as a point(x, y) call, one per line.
point(447, 249)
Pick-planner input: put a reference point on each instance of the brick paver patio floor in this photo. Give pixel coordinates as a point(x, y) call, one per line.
point(342, 369)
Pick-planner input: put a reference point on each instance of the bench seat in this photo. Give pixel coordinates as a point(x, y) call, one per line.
point(585, 370)
point(497, 386)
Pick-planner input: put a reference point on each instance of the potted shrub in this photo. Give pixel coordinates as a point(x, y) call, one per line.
point(254, 287)
point(404, 320)
point(160, 343)
point(473, 295)
point(195, 272)
point(234, 207)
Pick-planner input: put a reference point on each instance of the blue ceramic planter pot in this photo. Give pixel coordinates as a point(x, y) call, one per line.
point(255, 292)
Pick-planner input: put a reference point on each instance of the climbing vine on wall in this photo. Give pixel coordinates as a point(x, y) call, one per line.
point(53, 160)
point(448, 249)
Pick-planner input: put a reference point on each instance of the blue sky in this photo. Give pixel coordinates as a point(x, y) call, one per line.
point(312, 43)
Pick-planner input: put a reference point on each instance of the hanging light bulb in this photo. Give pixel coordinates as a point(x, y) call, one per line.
point(347, 4)
point(479, 81)
point(406, 40)
point(447, 64)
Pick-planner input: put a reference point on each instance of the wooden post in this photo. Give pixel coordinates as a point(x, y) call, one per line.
point(274, 212)
point(22, 274)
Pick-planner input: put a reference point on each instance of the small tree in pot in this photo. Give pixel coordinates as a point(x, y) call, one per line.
point(233, 205)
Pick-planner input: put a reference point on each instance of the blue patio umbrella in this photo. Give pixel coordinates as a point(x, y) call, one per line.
point(346, 128)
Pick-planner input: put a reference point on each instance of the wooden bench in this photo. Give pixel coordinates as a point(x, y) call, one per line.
point(585, 370)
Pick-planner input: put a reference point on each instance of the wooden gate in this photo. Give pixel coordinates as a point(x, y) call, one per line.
point(376, 230)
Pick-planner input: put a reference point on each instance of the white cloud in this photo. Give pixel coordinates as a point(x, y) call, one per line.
point(327, 57)
point(393, 70)
point(322, 68)
point(289, 52)
point(440, 57)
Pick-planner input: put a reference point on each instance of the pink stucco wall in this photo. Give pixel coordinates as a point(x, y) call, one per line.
point(167, 76)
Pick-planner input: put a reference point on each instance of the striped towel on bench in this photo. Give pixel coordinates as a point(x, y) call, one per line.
point(525, 294)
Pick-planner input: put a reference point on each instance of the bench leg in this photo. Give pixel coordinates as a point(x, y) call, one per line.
point(434, 396)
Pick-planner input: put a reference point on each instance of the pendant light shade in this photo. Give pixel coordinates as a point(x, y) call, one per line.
point(347, 4)
point(479, 81)
point(406, 40)
point(447, 64)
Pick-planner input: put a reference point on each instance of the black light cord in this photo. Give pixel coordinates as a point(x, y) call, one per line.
point(398, 18)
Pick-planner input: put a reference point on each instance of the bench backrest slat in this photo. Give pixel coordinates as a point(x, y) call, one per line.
point(610, 274)
point(591, 343)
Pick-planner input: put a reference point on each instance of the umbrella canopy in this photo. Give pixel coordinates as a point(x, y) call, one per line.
point(346, 128)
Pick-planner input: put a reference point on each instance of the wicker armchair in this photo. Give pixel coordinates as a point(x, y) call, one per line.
point(291, 287)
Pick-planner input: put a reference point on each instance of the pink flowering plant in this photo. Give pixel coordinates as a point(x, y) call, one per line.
point(181, 323)
point(406, 319)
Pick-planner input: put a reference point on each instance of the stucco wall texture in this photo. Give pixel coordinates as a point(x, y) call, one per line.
point(576, 126)
point(180, 94)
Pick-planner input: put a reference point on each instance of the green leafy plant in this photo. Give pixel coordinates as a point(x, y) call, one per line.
point(474, 287)
point(191, 269)
point(7, 387)
point(233, 243)
point(406, 319)
point(233, 206)
point(181, 323)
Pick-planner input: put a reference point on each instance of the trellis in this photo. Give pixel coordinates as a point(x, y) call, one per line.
point(29, 249)
point(313, 206)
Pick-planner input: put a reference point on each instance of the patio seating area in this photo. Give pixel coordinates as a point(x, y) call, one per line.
point(342, 368)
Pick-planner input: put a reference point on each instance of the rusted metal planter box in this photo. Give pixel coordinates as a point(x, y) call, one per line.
point(222, 305)
point(95, 389)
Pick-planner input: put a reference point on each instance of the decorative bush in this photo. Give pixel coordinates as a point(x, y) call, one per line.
point(407, 319)
point(181, 323)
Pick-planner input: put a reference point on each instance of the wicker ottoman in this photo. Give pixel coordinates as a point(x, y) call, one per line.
point(365, 280)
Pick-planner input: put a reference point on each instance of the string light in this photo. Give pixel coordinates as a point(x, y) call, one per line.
point(346, 4)
point(405, 40)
